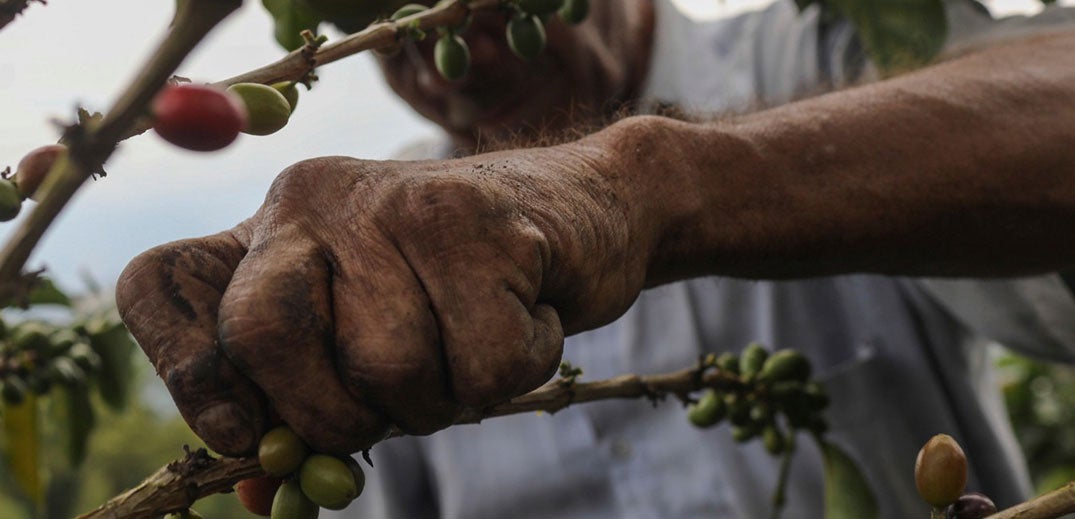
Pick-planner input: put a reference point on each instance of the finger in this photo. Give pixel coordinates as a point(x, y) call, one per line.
point(499, 342)
point(388, 341)
point(276, 326)
point(168, 298)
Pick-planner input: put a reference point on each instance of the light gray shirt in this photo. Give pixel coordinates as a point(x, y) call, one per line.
point(903, 359)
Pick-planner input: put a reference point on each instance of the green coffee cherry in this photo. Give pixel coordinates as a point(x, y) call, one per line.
point(540, 7)
point(786, 390)
point(783, 365)
point(728, 362)
point(281, 451)
point(290, 91)
point(574, 11)
point(452, 57)
point(328, 481)
point(10, 200)
point(291, 503)
point(267, 110)
point(751, 360)
point(738, 409)
point(742, 433)
point(773, 439)
point(407, 10)
point(356, 471)
point(760, 412)
point(708, 411)
point(526, 36)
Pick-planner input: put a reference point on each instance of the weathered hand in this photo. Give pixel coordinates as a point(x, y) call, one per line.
point(364, 294)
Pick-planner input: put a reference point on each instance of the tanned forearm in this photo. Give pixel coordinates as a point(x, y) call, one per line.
point(966, 168)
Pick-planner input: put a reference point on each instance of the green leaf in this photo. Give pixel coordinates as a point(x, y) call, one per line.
point(74, 416)
point(45, 292)
point(897, 34)
point(847, 493)
point(23, 447)
point(290, 19)
point(114, 345)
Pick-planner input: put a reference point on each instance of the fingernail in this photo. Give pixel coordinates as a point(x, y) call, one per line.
point(226, 429)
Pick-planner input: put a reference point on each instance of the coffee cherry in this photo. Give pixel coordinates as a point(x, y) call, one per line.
point(291, 503)
point(357, 472)
point(407, 10)
point(281, 451)
point(751, 360)
point(526, 36)
point(267, 110)
point(34, 166)
point(738, 409)
point(290, 90)
point(452, 57)
point(728, 362)
point(971, 506)
point(327, 481)
point(783, 365)
point(574, 11)
point(199, 118)
point(708, 411)
point(773, 439)
point(743, 433)
point(940, 471)
point(10, 200)
point(540, 7)
point(256, 494)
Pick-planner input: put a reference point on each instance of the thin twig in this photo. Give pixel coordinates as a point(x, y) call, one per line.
point(178, 485)
point(1046, 506)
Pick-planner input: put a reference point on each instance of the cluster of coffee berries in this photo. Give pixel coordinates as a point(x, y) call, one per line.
point(34, 356)
point(299, 482)
point(206, 118)
point(768, 386)
point(525, 32)
point(940, 473)
point(29, 174)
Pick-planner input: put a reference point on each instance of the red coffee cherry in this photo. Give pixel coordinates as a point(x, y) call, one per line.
point(199, 118)
point(256, 494)
point(33, 168)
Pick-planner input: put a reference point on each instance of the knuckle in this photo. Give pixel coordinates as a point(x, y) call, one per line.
point(309, 178)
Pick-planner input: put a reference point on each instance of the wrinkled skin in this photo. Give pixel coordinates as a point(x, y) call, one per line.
point(428, 287)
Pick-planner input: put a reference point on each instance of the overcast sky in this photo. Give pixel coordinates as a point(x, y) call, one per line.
point(72, 52)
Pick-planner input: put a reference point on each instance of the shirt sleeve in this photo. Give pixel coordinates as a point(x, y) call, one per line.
point(1032, 315)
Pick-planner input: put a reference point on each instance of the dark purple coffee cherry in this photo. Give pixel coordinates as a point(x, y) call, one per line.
point(971, 506)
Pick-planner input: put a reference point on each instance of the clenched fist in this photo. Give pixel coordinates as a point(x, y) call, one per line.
point(368, 294)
